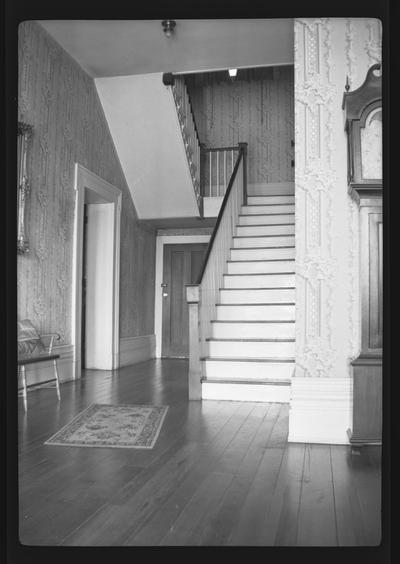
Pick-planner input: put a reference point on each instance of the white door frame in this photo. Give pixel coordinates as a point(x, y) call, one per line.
point(85, 179)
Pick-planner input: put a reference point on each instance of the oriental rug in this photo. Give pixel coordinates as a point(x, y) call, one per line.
point(115, 426)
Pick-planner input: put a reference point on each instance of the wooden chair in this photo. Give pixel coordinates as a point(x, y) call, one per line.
point(34, 348)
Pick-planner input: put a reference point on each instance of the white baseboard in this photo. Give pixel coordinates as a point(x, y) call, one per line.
point(44, 371)
point(245, 392)
point(320, 410)
point(136, 349)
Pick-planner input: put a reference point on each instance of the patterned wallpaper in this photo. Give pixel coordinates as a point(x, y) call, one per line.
point(257, 107)
point(327, 219)
point(60, 101)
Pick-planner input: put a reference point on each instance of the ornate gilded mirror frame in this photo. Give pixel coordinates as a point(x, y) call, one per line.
point(23, 187)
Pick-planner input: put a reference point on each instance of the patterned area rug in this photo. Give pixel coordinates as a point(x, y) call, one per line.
point(116, 426)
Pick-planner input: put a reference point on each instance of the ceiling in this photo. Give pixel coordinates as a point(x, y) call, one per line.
point(107, 48)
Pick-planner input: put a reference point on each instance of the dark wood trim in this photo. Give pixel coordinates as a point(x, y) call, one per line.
point(220, 214)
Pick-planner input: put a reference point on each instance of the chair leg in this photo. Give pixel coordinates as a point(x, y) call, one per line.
point(57, 381)
point(24, 393)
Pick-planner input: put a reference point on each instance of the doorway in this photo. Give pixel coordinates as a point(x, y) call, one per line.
point(181, 266)
point(96, 273)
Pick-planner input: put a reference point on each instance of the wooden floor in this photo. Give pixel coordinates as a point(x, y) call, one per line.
point(221, 473)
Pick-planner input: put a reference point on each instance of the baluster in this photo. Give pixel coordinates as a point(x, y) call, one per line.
point(224, 172)
point(210, 153)
point(217, 173)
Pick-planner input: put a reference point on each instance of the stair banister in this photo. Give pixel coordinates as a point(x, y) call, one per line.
point(202, 297)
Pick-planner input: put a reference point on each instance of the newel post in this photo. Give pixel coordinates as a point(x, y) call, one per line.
point(243, 147)
point(192, 299)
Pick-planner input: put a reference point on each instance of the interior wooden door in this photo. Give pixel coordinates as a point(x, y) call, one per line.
point(182, 265)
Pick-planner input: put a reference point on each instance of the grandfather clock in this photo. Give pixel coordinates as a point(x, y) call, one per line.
point(363, 124)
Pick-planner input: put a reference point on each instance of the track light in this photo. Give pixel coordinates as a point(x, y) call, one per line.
point(168, 27)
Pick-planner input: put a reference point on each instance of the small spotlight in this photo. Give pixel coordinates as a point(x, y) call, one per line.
point(168, 27)
point(232, 72)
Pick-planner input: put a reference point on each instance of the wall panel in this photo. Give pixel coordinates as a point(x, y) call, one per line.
point(60, 101)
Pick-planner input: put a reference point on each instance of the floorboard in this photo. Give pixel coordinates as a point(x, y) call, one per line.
point(220, 473)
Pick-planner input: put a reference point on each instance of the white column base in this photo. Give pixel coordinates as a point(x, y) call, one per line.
point(232, 391)
point(320, 410)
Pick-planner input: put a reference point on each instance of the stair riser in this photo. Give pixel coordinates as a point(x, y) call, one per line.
point(271, 188)
point(243, 392)
point(263, 268)
point(254, 230)
point(253, 296)
point(278, 241)
point(231, 370)
point(257, 210)
point(263, 254)
point(256, 312)
point(254, 281)
point(250, 349)
point(266, 200)
point(266, 219)
point(253, 330)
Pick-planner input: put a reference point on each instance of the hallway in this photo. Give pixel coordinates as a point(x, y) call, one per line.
point(220, 473)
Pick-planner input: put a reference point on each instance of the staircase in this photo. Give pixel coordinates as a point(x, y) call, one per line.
point(252, 345)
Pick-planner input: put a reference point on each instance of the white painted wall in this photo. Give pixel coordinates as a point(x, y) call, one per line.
point(143, 122)
point(161, 241)
point(327, 271)
point(99, 293)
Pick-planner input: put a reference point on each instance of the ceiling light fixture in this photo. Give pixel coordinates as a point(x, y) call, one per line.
point(168, 27)
point(232, 72)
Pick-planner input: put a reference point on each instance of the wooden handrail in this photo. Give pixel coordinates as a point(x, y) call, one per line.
point(242, 155)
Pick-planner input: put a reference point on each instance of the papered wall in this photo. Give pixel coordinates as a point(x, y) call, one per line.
point(327, 219)
point(257, 107)
point(60, 101)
